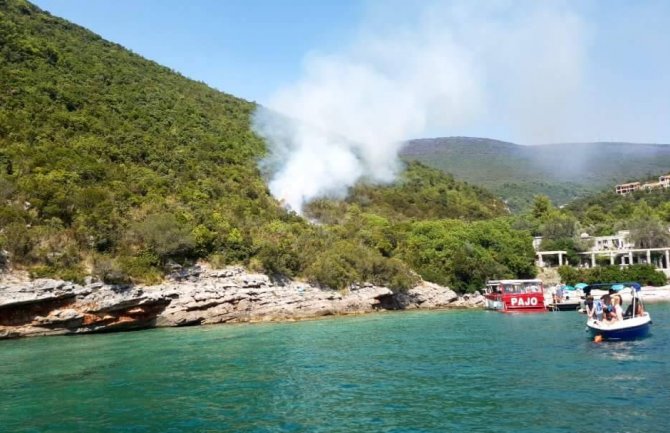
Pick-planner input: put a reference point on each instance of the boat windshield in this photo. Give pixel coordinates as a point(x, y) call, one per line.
point(514, 286)
point(521, 288)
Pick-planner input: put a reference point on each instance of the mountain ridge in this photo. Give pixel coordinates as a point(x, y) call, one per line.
point(540, 169)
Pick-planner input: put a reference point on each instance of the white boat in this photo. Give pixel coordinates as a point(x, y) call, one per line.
point(627, 329)
point(633, 326)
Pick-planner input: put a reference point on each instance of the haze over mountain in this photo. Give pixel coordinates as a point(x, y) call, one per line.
point(561, 171)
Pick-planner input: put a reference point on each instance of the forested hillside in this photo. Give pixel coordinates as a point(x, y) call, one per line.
point(115, 166)
point(605, 213)
point(644, 214)
point(562, 172)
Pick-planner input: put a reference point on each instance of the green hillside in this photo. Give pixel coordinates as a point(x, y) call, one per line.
point(602, 214)
point(563, 172)
point(115, 166)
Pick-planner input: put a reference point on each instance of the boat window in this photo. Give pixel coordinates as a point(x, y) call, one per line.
point(532, 288)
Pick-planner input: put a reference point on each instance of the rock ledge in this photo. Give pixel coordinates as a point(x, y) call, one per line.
point(195, 297)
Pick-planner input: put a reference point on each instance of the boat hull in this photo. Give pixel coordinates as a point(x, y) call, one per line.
point(564, 306)
point(516, 303)
point(629, 329)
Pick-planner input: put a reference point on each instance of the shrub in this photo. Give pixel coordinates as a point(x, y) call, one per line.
point(109, 271)
point(141, 269)
point(165, 236)
point(75, 273)
point(643, 274)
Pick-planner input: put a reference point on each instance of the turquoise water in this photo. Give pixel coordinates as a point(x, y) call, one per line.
point(438, 371)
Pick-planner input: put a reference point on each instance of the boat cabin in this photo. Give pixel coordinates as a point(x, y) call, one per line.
point(515, 295)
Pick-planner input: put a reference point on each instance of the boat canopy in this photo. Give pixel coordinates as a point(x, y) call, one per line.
point(533, 281)
point(616, 287)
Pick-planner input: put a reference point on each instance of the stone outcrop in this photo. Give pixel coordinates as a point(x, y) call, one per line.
point(195, 296)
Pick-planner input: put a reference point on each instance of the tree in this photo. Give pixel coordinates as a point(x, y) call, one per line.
point(541, 206)
point(649, 232)
point(559, 225)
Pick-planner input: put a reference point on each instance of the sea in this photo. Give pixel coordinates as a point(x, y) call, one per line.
point(428, 371)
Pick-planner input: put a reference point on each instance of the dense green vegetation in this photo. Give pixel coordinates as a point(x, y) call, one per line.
point(605, 213)
point(643, 274)
point(115, 166)
point(562, 172)
point(98, 144)
point(645, 215)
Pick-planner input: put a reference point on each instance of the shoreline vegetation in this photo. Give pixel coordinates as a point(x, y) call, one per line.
point(197, 296)
point(118, 169)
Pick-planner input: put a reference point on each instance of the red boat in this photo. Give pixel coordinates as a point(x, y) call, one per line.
point(515, 296)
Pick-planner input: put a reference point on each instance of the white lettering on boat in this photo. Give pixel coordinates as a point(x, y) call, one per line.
point(523, 302)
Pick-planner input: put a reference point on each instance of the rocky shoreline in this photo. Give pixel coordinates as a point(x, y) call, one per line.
point(198, 296)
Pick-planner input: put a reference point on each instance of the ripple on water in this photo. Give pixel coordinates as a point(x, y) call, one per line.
point(406, 372)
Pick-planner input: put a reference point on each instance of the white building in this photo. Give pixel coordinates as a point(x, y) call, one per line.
point(608, 243)
point(616, 249)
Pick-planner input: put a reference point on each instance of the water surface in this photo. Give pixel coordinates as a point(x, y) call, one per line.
point(437, 371)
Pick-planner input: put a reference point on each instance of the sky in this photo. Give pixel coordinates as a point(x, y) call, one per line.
point(520, 71)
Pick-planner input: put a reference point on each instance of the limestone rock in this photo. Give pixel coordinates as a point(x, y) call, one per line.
point(193, 297)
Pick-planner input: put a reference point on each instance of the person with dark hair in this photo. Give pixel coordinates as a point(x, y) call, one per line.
point(607, 297)
point(607, 304)
point(635, 308)
point(598, 309)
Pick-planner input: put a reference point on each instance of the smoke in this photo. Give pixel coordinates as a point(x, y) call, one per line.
point(443, 67)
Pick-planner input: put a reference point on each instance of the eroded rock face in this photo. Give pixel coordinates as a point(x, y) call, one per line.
point(199, 296)
point(51, 307)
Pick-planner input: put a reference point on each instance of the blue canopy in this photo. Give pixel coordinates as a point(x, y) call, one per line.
point(580, 285)
point(612, 286)
point(570, 288)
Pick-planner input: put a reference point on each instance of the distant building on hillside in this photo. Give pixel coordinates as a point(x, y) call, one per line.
point(626, 188)
point(652, 185)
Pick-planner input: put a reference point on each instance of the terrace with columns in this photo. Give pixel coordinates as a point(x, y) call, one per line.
point(612, 250)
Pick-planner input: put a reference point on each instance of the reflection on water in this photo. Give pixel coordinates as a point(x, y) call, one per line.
point(623, 350)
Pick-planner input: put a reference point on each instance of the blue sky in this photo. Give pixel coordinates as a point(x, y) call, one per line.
point(615, 84)
point(243, 47)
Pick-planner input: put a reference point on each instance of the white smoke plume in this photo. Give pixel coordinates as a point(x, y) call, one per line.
point(440, 68)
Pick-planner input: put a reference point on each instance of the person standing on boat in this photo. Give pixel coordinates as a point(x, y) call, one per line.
point(590, 308)
point(558, 294)
point(607, 298)
point(607, 304)
point(598, 309)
